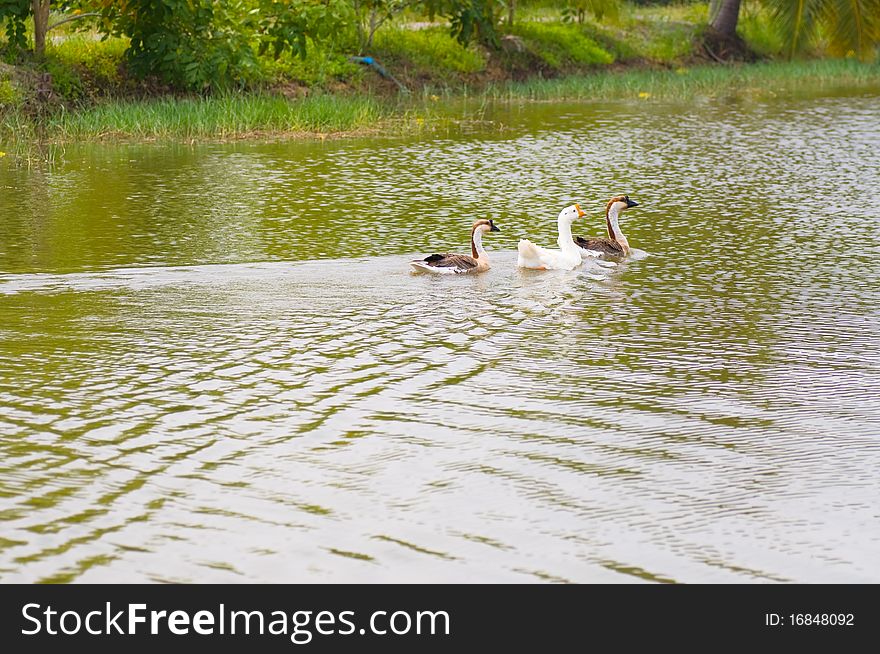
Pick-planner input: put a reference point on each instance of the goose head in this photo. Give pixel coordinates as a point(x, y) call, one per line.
point(484, 227)
point(572, 213)
point(620, 203)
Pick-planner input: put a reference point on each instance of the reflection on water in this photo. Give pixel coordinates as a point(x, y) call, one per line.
point(215, 364)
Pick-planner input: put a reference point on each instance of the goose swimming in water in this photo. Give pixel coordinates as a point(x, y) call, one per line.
point(460, 264)
point(616, 243)
point(567, 257)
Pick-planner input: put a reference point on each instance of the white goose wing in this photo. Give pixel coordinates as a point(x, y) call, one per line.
point(538, 258)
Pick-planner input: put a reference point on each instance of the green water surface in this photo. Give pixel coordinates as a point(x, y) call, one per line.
point(215, 364)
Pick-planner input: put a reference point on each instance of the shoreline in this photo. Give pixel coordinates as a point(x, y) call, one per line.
point(261, 115)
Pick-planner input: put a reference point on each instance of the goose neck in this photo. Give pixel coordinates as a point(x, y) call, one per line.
point(477, 244)
point(614, 231)
point(565, 240)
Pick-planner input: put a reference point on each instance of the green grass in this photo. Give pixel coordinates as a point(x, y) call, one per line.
point(431, 50)
point(658, 33)
point(669, 42)
point(10, 95)
point(664, 33)
point(219, 117)
point(757, 80)
point(561, 45)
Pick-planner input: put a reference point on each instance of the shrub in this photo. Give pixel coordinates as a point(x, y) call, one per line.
point(200, 44)
point(67, 81)
point(469, 20)
point(12, 16)
point(561, 45)
point(10, 96)
point(100, 60)
point(320, 66)
point(193, 44)
point(431, 48)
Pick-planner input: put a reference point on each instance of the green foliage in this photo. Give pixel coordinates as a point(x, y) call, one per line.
point(320, 67)
point(204, 45)
point(668, 49)
point(798, 21)
point(757, 29)
point(200, 44)
point(851, 26)
point(13, 14)
point(10, 96)
point(475, 20)
point(469, 20)
point(669, 42)
point(370, 15)
point(290, 25)
point(562, 45)
point(99, 59)
point(846, 27)
point(662, 34)
point(576, 10)
point(193, 44)
point(432, 49)
point(67, 81)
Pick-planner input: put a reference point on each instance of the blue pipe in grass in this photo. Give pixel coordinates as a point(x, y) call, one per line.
point(375, 65)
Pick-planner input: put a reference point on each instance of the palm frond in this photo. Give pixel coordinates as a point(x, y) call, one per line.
point(797, 21)
point(853, 26)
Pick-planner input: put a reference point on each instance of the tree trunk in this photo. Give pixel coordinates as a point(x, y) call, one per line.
point(41, 26)
point(724, 21)
point(511, 9)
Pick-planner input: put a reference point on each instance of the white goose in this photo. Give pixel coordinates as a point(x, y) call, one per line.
point(460, 264)
point(567, 257)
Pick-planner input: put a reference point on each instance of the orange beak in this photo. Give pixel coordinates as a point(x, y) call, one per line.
point(581, 212)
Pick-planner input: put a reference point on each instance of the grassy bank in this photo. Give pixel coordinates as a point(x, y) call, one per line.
point(764, 79)
point(268, 115)
point(83, 90)
point(227, 116)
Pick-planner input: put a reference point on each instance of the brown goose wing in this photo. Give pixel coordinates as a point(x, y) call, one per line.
point(460, 261)
point(604, 245)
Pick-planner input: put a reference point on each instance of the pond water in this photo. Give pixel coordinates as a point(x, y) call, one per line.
point(215, 364)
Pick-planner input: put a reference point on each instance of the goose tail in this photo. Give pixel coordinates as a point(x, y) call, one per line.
point(421, 266)
point(529, 256)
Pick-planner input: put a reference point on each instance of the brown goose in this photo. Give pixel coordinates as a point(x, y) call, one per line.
point(616, 243)
point(460, 264)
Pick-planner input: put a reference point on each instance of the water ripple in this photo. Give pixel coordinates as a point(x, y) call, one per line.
point(215, 366)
